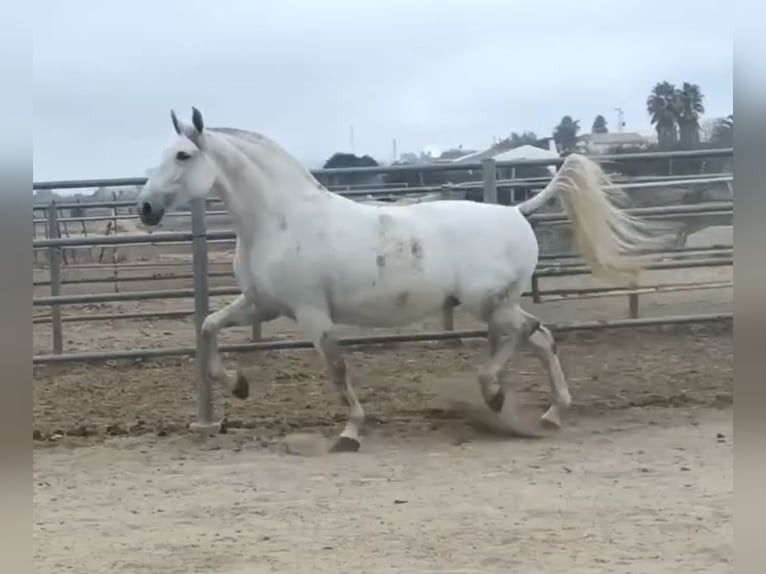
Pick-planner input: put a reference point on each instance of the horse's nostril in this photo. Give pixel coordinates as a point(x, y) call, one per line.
point(146, 208)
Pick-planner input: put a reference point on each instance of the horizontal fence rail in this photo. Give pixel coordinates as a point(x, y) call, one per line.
point(116, 273)
point(96, 356)
point(547, 294)
point(561, 270)
point(199, 237)
point(710, 208)
point(445, 189)
point(138, 265)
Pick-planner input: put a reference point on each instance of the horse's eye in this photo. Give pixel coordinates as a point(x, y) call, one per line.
point(182, 156)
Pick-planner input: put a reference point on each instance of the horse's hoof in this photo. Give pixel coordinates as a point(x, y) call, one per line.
point(496, 403)
point(345, 444)
point(241, 388)
point(551, 419)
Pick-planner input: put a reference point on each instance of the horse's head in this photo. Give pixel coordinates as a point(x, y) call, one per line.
point(185, 172)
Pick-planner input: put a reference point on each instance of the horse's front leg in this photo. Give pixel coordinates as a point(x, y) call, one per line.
point(239, 312)
point(318, 326)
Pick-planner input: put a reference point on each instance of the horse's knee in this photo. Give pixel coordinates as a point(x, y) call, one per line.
point(208, 326)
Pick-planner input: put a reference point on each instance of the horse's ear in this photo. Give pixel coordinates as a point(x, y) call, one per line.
point(176, 123)
point(197, 122)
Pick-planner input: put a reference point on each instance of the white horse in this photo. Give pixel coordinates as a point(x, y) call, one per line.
point(322, 259)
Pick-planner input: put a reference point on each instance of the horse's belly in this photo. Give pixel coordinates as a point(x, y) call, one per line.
point(389, 306)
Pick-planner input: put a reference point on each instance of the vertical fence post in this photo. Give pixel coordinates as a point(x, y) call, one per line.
point(54, 260)
point(513, 189)
point(489, 180)
point(536, 289)
point(448, 311)
point(448, 318)
point(536, 298)
point(34, 235)
point(489, 176)
point(256, 333)
point(633, 304)
point(115, 258)
point(205, 421)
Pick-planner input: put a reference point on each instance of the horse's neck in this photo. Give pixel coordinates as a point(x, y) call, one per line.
point(259, 192)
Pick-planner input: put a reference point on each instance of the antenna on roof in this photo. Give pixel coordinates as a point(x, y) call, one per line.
point(620, 119)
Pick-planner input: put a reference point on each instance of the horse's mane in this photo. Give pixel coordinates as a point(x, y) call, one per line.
point(254, 141)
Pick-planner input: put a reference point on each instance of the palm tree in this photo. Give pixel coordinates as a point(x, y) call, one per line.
point(689, 110)
point(565, 134)
point(723, 132)
point(662, 105)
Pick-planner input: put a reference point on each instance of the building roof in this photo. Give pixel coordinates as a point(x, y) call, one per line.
point(613, 138)
point(525, 152)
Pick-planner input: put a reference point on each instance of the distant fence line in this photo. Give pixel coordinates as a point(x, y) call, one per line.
point(444, 189)
point(451, 190)
point(711, 208)
point(201, 292)
point(420, 167)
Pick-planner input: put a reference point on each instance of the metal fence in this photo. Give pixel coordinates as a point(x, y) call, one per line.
point(551, 265)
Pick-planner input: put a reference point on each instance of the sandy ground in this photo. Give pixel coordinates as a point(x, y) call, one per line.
point(648, 491)
point(638, 480)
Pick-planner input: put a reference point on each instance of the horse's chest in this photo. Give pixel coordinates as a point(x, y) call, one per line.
point(249, 271)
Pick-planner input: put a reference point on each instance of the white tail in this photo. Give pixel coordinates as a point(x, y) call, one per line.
point(604, 234)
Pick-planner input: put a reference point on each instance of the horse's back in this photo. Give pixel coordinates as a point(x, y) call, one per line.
point(482, 245)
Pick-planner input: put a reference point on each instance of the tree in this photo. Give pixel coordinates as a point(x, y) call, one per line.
point(723, 132)
point(345, 160)
point(676, 110)
point(340, 159)
point(689, 108)
point(525, 138)
point(662, 106)
point(599, 125)
point(565, 134)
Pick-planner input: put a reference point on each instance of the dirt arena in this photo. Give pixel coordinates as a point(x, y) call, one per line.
point(638, 480)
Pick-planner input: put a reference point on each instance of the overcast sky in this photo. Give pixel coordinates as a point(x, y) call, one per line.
point(428, 72)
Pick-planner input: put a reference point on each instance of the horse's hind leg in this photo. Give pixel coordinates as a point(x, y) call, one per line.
point(516, 324)
point(504, 338)
point(318, 326)
point(544, 346)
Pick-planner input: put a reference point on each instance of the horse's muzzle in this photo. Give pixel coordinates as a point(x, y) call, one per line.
point(150, 215)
